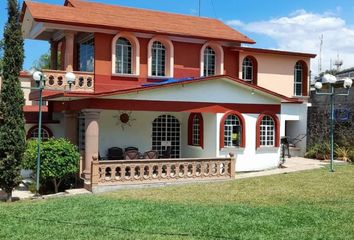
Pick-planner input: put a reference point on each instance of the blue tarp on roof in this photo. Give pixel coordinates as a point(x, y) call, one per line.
point(168, 81)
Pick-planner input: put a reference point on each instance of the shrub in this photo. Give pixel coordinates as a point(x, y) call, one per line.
point(319, 151)
point(343, 153)
point(59, 160)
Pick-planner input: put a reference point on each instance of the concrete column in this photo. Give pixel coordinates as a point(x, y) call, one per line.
point(53, 55)
point(69, 49)
point(70, 121)
point(91, 139)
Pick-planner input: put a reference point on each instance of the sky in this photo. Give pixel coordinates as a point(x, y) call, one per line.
point(274, 24)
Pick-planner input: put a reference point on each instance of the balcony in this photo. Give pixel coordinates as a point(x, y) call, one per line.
point(55, 80)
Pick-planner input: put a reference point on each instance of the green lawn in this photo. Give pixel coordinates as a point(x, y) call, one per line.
point(307, 205)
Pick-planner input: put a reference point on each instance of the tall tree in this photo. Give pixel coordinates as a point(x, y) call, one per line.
point(1, 54)
point(12, 130)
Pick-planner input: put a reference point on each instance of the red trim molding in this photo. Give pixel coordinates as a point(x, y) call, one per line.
point(254, 69)
point(28, 135)
point(277, 128)
point(304, 80)
point(170, 106)
point(201, 129)
point(243, 128)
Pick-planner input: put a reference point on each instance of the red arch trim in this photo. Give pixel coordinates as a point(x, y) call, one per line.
point(222, 128)
point(201, 129)
point(36, 126)
point(277, 128)
point(254, 68)
point(304, 81)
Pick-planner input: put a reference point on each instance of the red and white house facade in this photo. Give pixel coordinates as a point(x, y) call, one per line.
point(151, 80)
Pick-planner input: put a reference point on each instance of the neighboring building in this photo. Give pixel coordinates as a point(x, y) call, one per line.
point(151, 79)
point(319, 115)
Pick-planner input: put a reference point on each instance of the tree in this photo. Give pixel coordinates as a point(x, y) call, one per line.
point(12, 129)
point(1, 54)
point(59, 160)
point(43, 62)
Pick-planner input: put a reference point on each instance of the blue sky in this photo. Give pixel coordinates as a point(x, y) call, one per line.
point(277, 24)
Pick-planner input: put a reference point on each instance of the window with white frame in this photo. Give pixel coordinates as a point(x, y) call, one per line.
point(232, 131)
point(86, 54)
point(298, 76)
point(209, 62)
point(247, 69)
point(123, 56)
point(158, 64)
point(267, 132)
point(196, 131)
point(45, 135)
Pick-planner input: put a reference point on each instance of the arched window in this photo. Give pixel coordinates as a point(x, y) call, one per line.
point(195, 130)
point(249, 69)
point(300, 79)
point(158, 64)
point(45, 133)
point(267, 131)
point(211, 59)
point(123, 56)
point(232, 133)
point(298, 76)
point(209, 62)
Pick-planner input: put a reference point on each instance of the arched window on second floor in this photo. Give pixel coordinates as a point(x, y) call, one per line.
point(123, 56)
point(158, 64)
point(209, 62)
point(298, 75)
point(160, 57)
point(211, 59)
point(249, 69)
point(300, 79)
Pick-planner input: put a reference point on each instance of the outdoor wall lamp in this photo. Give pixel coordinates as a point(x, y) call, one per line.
point(40, 80)
point(333, 83)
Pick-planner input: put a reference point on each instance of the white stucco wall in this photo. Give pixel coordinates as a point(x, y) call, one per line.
point(294, 120)
point(248, 158)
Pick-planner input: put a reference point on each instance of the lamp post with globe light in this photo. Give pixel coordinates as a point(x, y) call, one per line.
point(332, 83)
point(40, 79)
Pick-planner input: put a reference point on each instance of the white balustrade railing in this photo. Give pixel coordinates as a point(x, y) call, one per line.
point(115, 172)
point(55, 79)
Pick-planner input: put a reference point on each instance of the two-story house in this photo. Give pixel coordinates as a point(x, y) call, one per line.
point(157, 80)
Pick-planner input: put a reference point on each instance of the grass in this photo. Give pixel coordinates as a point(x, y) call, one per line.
point(306, 205)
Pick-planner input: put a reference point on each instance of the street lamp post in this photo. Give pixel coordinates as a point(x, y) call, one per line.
point(332, 83)
point(40, 79)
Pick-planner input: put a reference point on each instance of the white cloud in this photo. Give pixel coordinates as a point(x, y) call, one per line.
point(301, 32)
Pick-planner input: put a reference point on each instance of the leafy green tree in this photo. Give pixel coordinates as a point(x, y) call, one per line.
point(43, 62)
point(59, 160)
point(12, 129)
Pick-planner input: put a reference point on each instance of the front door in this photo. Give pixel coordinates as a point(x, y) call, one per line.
point(166, 133)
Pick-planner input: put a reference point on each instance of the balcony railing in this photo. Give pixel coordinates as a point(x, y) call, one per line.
point(55, 80)
point(142, 171)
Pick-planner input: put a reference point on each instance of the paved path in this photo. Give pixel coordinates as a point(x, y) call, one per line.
point(293, 164)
